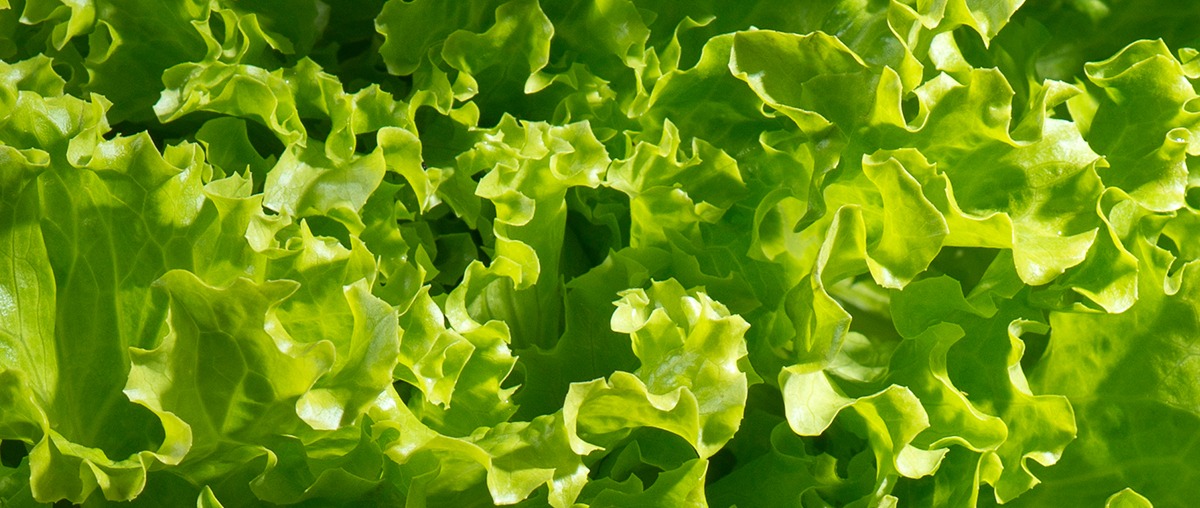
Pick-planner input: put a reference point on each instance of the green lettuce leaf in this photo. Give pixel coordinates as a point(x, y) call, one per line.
point(688, 383)
point(1140, 361)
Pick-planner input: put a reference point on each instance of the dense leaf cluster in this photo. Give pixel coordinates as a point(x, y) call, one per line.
point(599, 253)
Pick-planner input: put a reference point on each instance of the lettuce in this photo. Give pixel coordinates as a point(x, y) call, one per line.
point(601, 253)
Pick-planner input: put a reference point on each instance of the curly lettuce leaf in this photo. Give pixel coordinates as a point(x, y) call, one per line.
point(1141, 362)
point(688, 383)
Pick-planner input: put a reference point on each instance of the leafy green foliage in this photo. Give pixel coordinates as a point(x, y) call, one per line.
point(599, 253)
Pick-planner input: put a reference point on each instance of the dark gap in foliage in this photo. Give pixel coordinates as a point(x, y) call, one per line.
point(444, 221)
point(598, 223)
point(965, 264)
point(272, 59)
point(1035, 348)
point(260, 138)
point(358, 64)
point(762, 431)
point(1193, 198)
point(478, 237)
point(910, 107)
point(603, 468)
point(394, 178)
point(12, 452)
point(350, 20)
point(398, 86)
point(1168, 244)
point(1091, 31)
point(408, 199)
point(516, 378)
point(321, 225)
point(720, 465)
point(264, 140)
point(184, 129)
point(163, 134)
point(83, 44)
point(317, 128)
point(216, 25)
point(403, 390)
point(442, 139)
point(1061, 112)
point(645, 453)
point(974, 51)
point(1013, 52)
point(561, 326)
point(469, 497)
point(456, 244)
point(500, 98)
point(561, 53)
point(354, 49)
point(455, 251)
point(844, 440)
point(25, 41)
point(69, 65)
point(159, 138)
point(365, 142)
point(487, 238)
point(585, 245)
point(766, 398)
point(869, 305)
point(691, 44)
point(603, 207)
point(908, 489)
point(987, 493)
point(64, 71)
point(143, 430)
point(113, 133)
